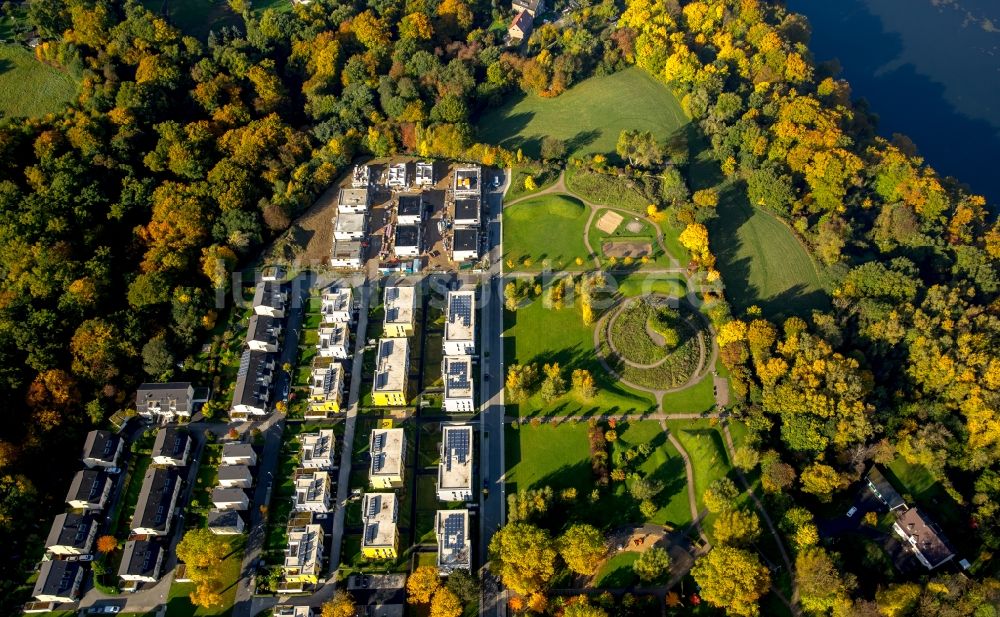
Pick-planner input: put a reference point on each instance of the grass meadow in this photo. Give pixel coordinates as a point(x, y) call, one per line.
point(546, 228)
point(30, 88)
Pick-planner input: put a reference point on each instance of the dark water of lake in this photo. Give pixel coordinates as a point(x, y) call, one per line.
point(929, 68)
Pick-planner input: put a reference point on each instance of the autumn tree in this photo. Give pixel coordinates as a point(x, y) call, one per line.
point(736, 528)
point(732, 579)
point(580, 606)
point(340, 605)
point(554, 384)
point(822, 480)
point(583, 548)
point(106, 544)
point(639, 148)
point(583, 383)
point(421, 585)
point(203, 552)
point(652, 564)
point(525, 556)
point(821, 586)
point(521, 379)
point(720, 495)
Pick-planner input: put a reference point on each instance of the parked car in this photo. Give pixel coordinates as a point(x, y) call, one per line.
point(852, 511)
point(113, 470)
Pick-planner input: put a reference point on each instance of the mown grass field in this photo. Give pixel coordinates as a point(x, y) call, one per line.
point(548, 455)
point(30, 88)
point(664, 465)
point(546, 228)
point(589, 116)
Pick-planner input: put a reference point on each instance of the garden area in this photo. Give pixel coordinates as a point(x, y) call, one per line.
point(547, 230)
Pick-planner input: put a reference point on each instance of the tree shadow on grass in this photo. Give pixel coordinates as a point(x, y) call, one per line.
point(581, 140)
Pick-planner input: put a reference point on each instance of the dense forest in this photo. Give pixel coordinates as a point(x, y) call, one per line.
point(121, 216)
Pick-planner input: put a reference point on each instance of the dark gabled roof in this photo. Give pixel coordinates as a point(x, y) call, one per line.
point(224, 519)
point(170, 442)
point(101, 446)
point(409, 205)
point(71, 529)
point(250, 389)
point(165, 394)
point(234, 472)
point(227, 495)
point(237, 449)
point(930, 541)
point(56, 578)
point(153, 510)
point(884, 489)
point(466, 239)
point(467, 208)
point(263, 328)
point(139, 558)
point(407, 235)
point(87, 485)
point(268, 294)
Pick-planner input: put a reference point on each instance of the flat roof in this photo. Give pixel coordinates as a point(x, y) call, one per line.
point(458, 377)
point(467, 178)
point(327, 376)
point(400, 301)
point(311, 486)
point(466, 239)
point(378, 511)
point(351, 222)
point(336, 299)
point(386, 449)
point(304, 547)
point(346, 249)
point(452, 530)
point(407, 235)
point(455, 469)
point(318, 446)
point(410, 204)
point(353, 197)
point(467, 208)
point(461, 324)
point(331, 334)
point(391, 364)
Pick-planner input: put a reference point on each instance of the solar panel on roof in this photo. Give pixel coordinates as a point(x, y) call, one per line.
point(372, 506)
point(454, 531)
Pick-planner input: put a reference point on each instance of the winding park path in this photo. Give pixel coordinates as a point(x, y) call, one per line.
point(704, 365)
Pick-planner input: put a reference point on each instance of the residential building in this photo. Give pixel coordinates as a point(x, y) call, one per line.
point(531, 7)
point(172, 446)
point(398, 177)
point(304, 555)
point(379, 513)
point(235, 476)
point(312, 491)
point(410, 209)
point(273, 274)
point(225, 522)
point(264, 333)
point(347, 254)
point(165, 401)
point(520, 27)
point(361, 176)
point(883, 490)
point(460, 327)
point(334, 341)
point(102, 449)
point(467, 211)
point(287, 610)
point(400, 309)
point(924, 537)
point(237, 453)
point(392, 367)
point(317, 451)
point(230, 499)
point(269, 299)
point(154, 511)
point(89, 490)
point(142, 561)
point(465, 244)
point(455, 469)
point(350, 226)
point(425, 173)
point(72, 534)
point(387, 447)
point(355, 200)
point(338, 305)
point(458, 389)
point(452, 530)
point(58, 581)
point(326, 386)
point(253, 384)
point(468, 182)
point(409, 240)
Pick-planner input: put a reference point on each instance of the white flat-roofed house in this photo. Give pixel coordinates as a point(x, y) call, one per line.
point(312, 491)
point(304, 555)
point(392, 367)
point(361, 176)
point(425, 173)
point(287, 610)
point(350, 226)
point(230, 499)
point(410, 208)
point(326, 386)
point(89, 490)
point(400, 306)
point(379, 513)
point(172, 446)
point(347, 254)
point(334, 341)
point(226, 522)
point(102, 449)
point(467, 211)
point(452, 530)
point(165, 400)
point(234, 453)
point(468, 182)
point(458, 389)
point(264, 333)
point(353, 201)
point(154, 511)
point(387, 448)
point(398, 177)
point(465, 244)
point(142, 561)
point(455, 469)
point(409, 240)
point(235, 476)
point(318, 449)
point(337, 305)
point(269, 299)
point(58, 581)
point(460, 327)
point(72, 534)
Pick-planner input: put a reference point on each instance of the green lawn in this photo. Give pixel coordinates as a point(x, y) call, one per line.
point(547, 455)
point(30, 88)
point(706, 448)
point(542, 335)
point(198, 17)
point(543, 177)
point(696, 399)
point(549, 227)
point(589, 116)
point(640, 284)
point(664, 465)
point(616, 573)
